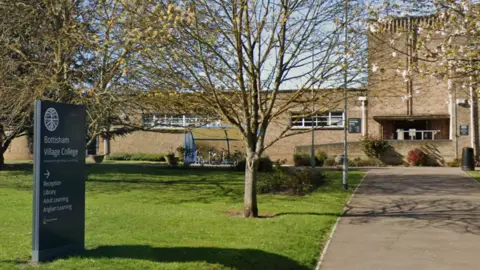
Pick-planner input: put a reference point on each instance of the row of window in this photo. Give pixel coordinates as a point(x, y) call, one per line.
point(326, 120)
point(177, 121)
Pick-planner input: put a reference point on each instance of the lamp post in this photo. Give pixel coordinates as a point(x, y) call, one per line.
point(313, 117)
point(345, 96)
point(313, 134)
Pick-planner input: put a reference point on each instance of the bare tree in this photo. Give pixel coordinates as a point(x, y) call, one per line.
point(238, 56)
point(74, 51)
point(111, 90)
point(38, 44)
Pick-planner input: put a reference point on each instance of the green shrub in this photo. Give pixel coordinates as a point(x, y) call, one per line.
point(278, 163)
point(265, 165)
point(148, 157)
point(296, 182)
point(302, 159)
point(119, 156)
point(330, 161)
point(137, 157)
point(371, 162)
point(171, 159)
point(454, 163)
point(354, 162)
point(374, 147)
point(305, 159)
point(181, 152)
point(271, 182)
point(304, 181)
point(320, 158)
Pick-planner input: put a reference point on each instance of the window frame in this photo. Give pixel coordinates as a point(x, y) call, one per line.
point(165, 121)
point(327, 116)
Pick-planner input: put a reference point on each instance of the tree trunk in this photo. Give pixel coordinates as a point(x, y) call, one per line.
point(2, 160)
point(3, 149)
point(474, 122)
point(250, 208)
point(475, 131)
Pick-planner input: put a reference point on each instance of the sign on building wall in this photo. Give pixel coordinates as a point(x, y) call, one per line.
point(463, 130)
point(59, 180)
point(354, 125)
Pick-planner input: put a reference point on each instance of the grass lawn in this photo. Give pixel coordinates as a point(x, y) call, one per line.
point(147, 217)
point(475, 175)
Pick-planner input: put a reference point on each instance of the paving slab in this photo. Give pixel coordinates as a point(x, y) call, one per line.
point(409, 218)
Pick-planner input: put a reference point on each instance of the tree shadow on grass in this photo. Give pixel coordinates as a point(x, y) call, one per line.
point(305, 214)
point(21, 167)
point(179, 191)
point(233, 258)
point(18, 261)
point(153, 170)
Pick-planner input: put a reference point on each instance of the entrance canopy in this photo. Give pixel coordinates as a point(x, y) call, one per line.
point(414, 127)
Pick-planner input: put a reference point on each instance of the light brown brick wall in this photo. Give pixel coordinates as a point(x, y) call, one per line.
point(146, 142)
point(285, 148)
point(18, 150)
point(440, 151)
point(387, 86)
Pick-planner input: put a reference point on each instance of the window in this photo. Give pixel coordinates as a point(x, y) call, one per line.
point(177, 121)
point(326, 120)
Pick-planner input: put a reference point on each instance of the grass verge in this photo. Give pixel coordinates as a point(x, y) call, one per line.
point(147, 217)
point(475, 175)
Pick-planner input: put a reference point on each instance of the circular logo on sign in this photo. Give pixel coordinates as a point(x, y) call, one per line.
point(50, 119)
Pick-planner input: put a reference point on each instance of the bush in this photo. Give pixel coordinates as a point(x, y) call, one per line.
point(454, 163)
point(416, 157)
point(354, 162)
point(148, 157)
point(304, 181)
point(119, 156)
point(329, 162)
point(296, 182)
point(181, 152)
point(171, 159)
point(371, 162)
point(265, 165)
point(374, 147)
point(320, 158)
point(305, 159)
point(302, 159)
point(137, 157)
point(272, 181)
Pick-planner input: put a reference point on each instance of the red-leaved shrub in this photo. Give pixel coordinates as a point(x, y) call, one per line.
point(416, 157)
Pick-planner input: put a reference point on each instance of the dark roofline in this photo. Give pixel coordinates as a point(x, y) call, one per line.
point(395, 24)
point(324, 89)
point(398, 18)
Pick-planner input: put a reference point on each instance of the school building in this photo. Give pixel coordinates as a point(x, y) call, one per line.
point(409, 111)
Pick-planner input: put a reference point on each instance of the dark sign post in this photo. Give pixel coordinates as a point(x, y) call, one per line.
point(59, 180)
point(463, 130)
point(354, 125)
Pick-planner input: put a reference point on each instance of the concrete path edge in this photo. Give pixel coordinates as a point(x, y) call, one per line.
point(324, 252)
point(471, 177)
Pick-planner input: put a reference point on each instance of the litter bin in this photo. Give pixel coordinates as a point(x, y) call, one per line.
point(468, 160)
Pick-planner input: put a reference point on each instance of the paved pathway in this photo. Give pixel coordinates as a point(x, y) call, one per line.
point(409, 218)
